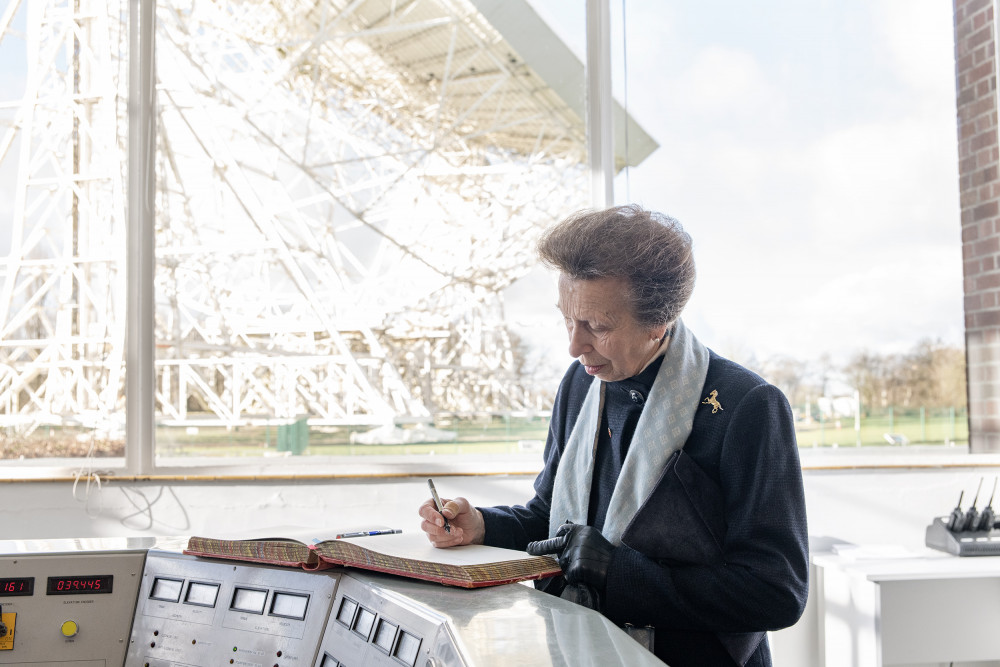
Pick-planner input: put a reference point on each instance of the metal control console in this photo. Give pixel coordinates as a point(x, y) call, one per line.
point(385, 621)
point(195, 611)
point(142, 603)
point(68, 602)
point(369, 627)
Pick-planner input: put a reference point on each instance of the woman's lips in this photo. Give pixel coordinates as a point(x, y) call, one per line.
point(593, 370)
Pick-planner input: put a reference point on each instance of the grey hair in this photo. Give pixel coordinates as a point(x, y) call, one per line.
point(651, 251)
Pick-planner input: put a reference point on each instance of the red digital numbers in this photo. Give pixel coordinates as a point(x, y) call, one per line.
point(71, 585)
point(78, 585)
point(17, 586)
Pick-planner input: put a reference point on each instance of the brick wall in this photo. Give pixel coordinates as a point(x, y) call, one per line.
point(979, 160)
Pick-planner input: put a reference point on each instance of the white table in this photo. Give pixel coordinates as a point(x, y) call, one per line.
point(892, 607)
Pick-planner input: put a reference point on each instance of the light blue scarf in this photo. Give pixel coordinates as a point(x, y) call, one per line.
point(663, 428)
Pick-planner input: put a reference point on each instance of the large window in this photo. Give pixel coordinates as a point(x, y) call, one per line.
point(343, 192)
point(62, 142)
point(347, 195)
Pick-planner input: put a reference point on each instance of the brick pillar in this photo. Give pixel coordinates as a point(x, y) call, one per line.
point(979, 160)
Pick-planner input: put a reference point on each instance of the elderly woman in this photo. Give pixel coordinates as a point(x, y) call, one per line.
point(671, 492)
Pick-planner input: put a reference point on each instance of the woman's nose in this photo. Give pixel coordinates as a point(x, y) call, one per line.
point(579, 343)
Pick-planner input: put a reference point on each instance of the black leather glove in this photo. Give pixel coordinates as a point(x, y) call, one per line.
point(583, 595)
point(583, 554)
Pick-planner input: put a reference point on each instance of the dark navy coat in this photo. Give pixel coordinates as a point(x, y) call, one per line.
point(750, 572)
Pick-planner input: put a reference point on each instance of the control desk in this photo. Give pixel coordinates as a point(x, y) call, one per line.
point(109, 602)
point(68, 601)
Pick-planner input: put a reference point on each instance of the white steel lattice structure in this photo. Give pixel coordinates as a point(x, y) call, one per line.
point(344, 188)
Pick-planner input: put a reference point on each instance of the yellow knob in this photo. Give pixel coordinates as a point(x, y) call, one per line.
point(69, 628)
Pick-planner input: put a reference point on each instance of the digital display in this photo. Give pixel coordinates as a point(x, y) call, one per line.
point(249, 599)
point(363, 622)
point(18, 586)
point(407, 647)
point(168, 590)
point(385, 632)
point(85, 585)
point(289, 605)
point(346, 613)
point(202, 594)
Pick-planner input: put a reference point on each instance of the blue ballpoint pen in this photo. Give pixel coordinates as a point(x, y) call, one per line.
point(367, 533)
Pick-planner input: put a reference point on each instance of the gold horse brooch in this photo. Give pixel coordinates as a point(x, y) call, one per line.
point(712, 399)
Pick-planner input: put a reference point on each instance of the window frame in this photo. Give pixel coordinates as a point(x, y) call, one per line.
point(139, 461)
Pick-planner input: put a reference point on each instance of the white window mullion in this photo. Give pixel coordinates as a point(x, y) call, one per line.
point(140, 260)
point(600, 132)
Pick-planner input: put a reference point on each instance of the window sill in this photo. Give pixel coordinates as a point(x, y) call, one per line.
point(262, 468)
point(307, 468)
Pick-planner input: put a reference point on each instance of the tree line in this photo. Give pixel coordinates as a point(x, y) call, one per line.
point(931, 375)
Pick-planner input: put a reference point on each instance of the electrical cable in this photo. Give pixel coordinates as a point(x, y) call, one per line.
point(86, 497)
point(86, 468)
point(145, 509)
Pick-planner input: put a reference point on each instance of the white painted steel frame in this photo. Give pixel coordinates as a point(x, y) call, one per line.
point(140, 419)
point(600, 138)
point(419, 357)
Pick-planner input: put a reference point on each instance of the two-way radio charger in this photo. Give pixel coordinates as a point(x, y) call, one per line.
point(968, 533)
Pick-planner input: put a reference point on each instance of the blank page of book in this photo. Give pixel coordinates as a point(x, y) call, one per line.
point(414, 545)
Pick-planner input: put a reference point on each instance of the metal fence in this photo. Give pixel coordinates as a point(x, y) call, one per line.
point(889, 426)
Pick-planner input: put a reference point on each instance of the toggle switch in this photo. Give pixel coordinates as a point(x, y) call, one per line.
point(7, 622)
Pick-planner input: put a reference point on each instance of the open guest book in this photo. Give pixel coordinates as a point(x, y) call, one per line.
point(407, 554)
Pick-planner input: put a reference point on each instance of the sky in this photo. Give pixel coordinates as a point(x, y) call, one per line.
point(809, 148)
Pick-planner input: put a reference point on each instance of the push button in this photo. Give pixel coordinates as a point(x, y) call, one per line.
point(69, 628)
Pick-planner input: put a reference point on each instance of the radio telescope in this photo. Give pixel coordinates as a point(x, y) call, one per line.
point(343, 191)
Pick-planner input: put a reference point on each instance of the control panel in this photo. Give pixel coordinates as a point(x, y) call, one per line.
point(368, 627)
point(58, 606)
point(194, 611)
point(102, 603)
point(385, 621)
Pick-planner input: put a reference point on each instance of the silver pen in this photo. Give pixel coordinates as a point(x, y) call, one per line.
point(440, 507)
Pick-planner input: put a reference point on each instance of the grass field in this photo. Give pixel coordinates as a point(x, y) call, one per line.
point(498, 436)
point(493, 436)
point(471, 436)
point(936, 427)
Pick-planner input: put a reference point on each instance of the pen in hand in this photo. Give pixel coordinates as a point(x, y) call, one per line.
point(437, 502)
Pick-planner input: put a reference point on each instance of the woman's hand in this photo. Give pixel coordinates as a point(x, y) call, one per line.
point(466, 523)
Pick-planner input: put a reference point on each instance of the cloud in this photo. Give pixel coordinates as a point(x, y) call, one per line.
point(887, 183)
point(723, 82)
point(799, 307)
point(918, 38)
point(824, 208)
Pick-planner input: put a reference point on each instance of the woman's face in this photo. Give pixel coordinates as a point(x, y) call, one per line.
point(603, 333)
